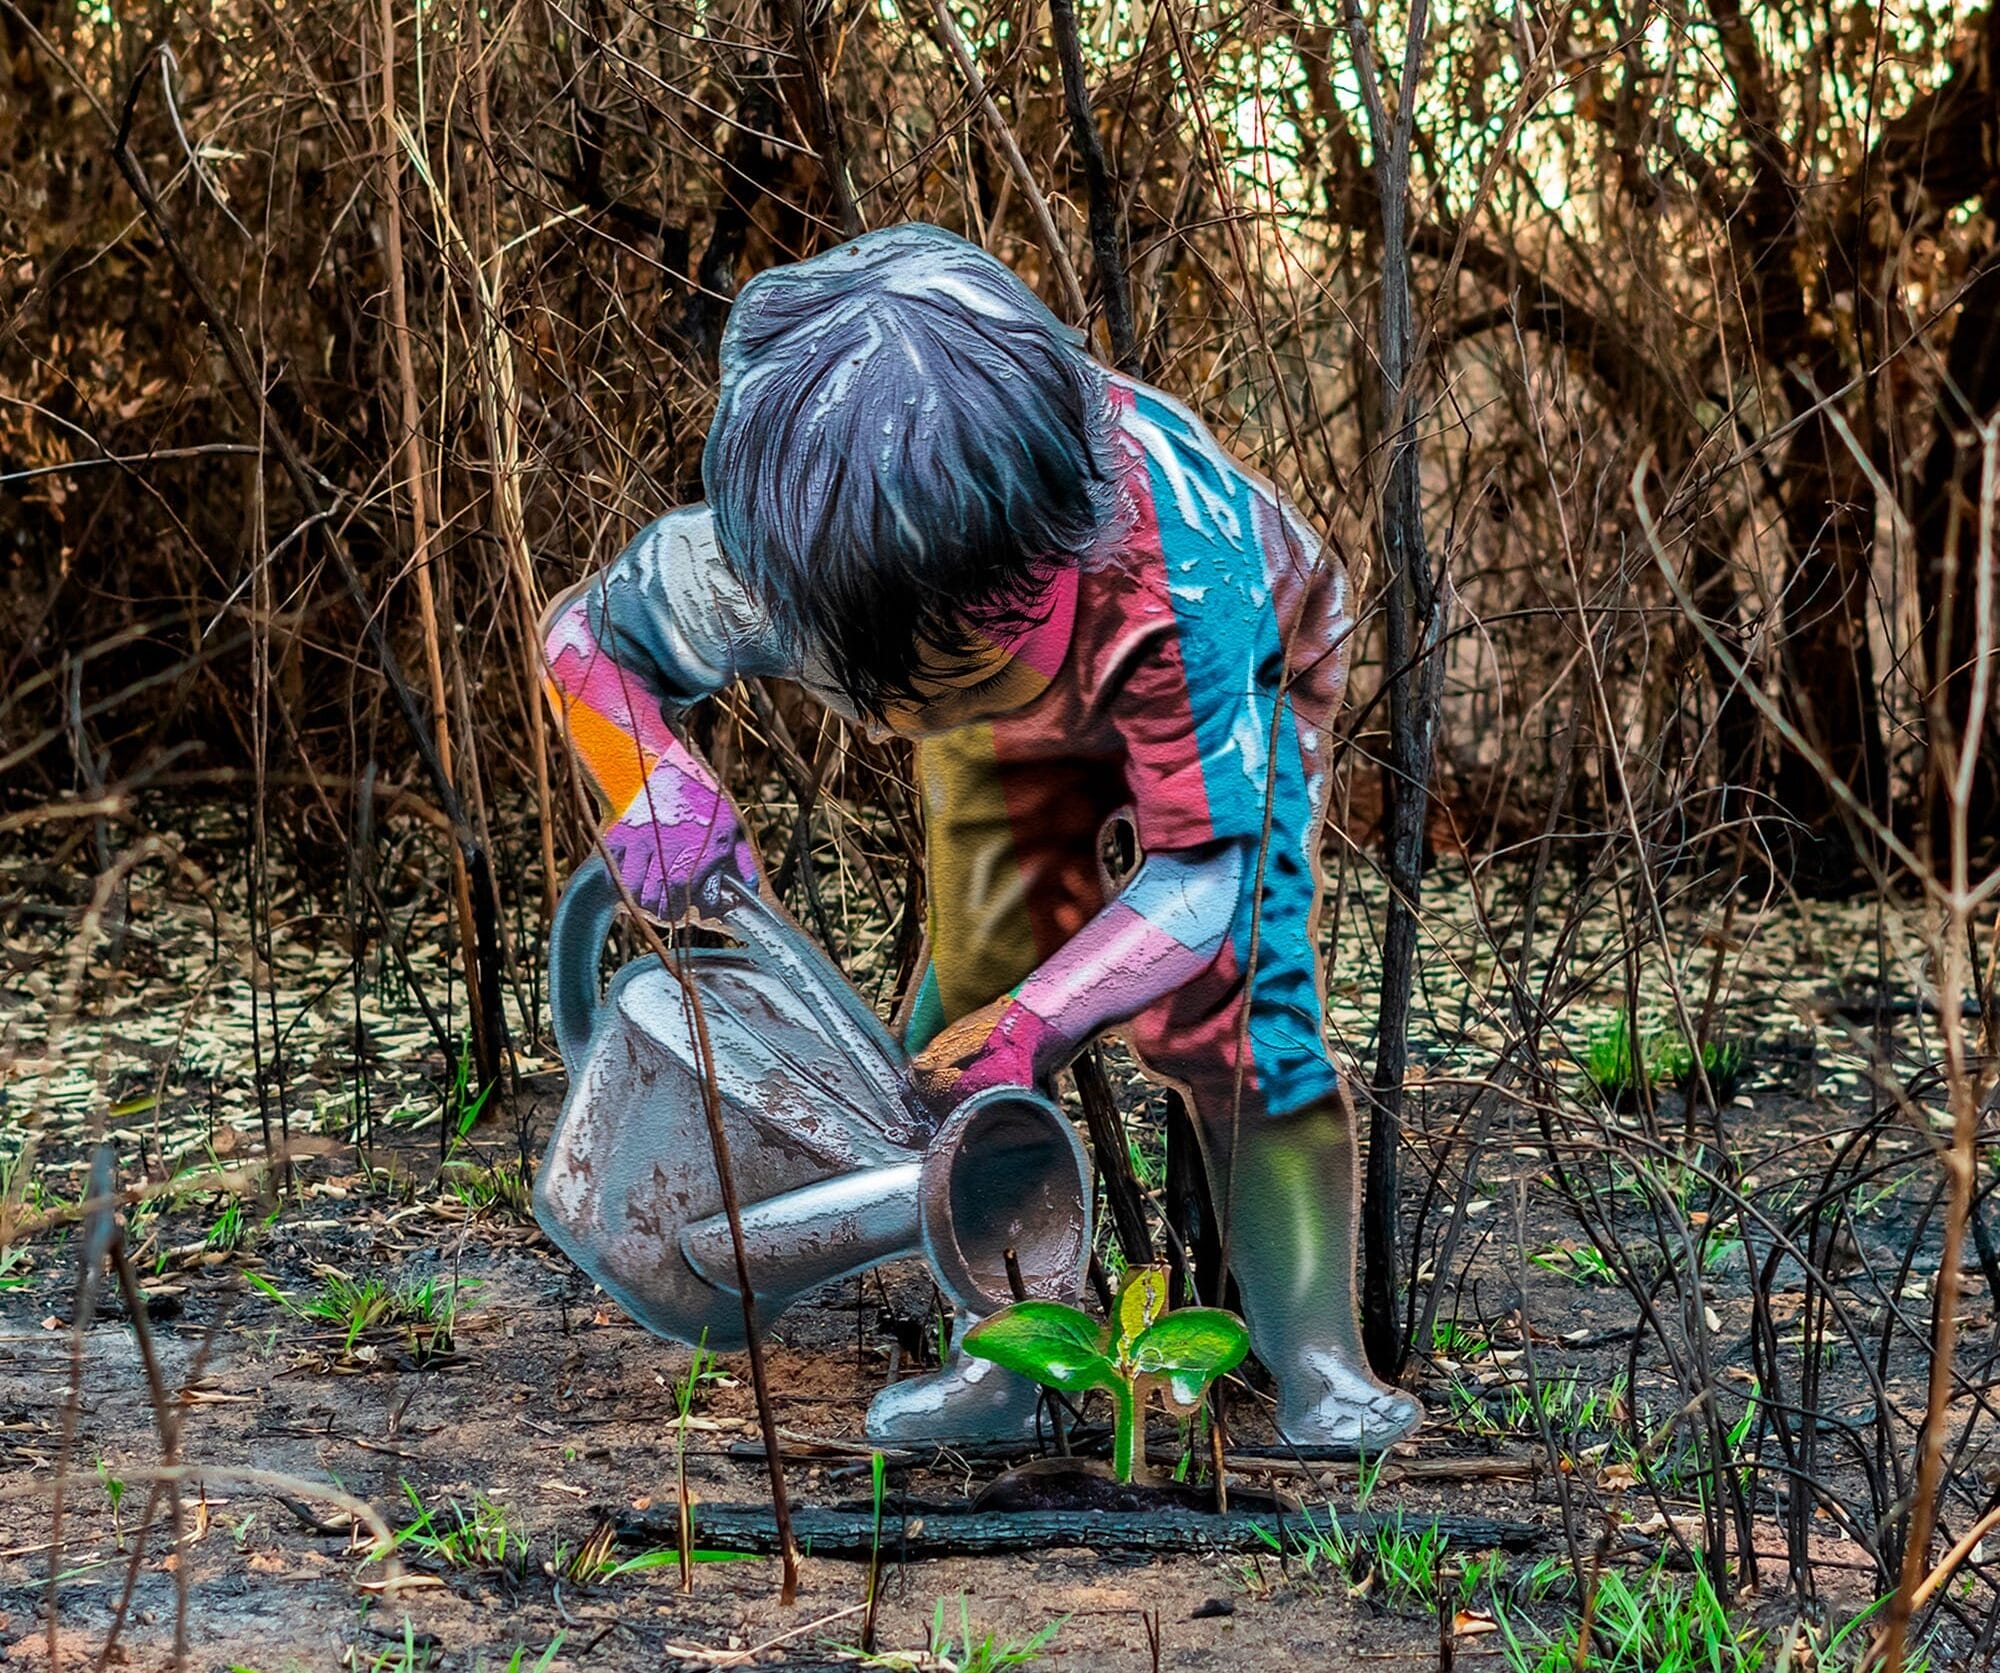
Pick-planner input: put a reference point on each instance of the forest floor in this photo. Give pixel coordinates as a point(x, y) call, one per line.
point(503, 1427)
point(503, 1418)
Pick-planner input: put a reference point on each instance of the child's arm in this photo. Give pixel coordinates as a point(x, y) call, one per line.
point(661, 626)
point(1165, 927)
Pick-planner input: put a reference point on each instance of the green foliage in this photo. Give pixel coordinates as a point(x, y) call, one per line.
point(406, 1657)
point(421, 1312)
point(1620, 1068)
point(1141, 1349)
point(462, 1106)
point(490, 1190)
point(1402, 1565)
point(229, 1230)
point(1653, 1622)
point(114, 1490)
point(1723, 1061)
point(518, 1662)
point(482, 1535)
point(1581, 1263)
point(1452, 1340)
point(986, 1653)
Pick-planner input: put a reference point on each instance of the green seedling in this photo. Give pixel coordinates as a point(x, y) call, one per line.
point(518, 1662)
point(497, 1190)
point(1408, 1564)
point(1650, 1623)
point(1405, 1565)
point(424, 1311)
point(701, 1370)
point(1142, 1348)
point(665, 1556)
point(462, 1106)
point(877, 1475)
point(966, 1654)
point(1367, 1476)
point(1452, 1340)
point(230, 1230)
point(452, 1535)
point(1581, 1263)
point(1722, 1061)
point(114, 1490)
point(407, 1657)
point(13, 1269)
point(1613, 1065)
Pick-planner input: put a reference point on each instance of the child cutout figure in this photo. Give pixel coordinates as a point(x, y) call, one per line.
point(929, 505)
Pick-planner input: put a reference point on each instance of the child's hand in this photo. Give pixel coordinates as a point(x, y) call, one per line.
point(676, 841)
point(1001, 1044)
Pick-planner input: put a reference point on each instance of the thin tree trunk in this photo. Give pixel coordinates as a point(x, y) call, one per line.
point(1107, 237)
point(485, 1047)
point(1947, 538)
point(1415, 615)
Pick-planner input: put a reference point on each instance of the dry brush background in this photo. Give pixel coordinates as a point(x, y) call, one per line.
point(1657, 416)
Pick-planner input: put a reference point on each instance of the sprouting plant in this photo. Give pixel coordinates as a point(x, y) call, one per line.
point(1367, 1476)
point(1582, 1263)
point(1452, 1340)
point(966, 1654)
point(1482, 1573)
point(1142, 1348)
point(114, 1490)
point(1147, 1148)
point(1723, 1061)
point(490, 1189)
point(483, 1536)
point(518, 1662)
point(701, 1370)
point(424, 1311)
point(13, 1268)
point(406, 1657)
point(1619, 1067)
point(1650, 1623)
point(1408, 1564)
point(229, 1231)
point(877, 1478)
point(462, 1106)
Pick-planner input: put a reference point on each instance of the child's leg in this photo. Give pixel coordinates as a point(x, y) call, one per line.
point(1287, 1187)
point(1011, 864)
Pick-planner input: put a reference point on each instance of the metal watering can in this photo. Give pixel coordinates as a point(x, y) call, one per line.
point(834, 1171)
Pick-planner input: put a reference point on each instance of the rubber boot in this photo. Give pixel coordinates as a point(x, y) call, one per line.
point(967, 1402)
point(1293, 1207)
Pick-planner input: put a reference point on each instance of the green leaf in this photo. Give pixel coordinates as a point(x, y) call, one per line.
point(1142, 1298)
point(1046, 1341)
point(1188, 1350)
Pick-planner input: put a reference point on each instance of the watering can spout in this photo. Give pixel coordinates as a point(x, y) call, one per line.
point(804, 1238)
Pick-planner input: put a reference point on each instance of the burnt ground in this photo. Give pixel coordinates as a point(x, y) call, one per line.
point(502, 1433)
point(547, 1414)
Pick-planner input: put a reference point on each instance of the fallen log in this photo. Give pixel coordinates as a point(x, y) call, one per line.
point(919, 1532)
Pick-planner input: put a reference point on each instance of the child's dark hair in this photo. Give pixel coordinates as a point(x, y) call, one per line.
point(906, 442)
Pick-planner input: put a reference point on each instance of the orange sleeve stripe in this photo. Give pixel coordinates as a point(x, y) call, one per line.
point(615, 761)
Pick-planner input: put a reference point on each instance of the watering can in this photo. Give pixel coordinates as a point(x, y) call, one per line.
point(835, 1170)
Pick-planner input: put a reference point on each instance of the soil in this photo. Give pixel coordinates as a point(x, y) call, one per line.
point(542, 1416)
point(557, 1415)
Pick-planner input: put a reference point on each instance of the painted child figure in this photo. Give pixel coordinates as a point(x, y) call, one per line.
point(928, 504)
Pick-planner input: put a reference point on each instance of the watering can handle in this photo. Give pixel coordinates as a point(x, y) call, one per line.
point(583, 923)
point(583, 920)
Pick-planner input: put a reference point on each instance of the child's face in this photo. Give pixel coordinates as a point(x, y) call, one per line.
point(973, 689)
point(1008, 676)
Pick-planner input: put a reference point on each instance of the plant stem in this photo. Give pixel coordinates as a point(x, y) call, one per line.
point(1127, 1439)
